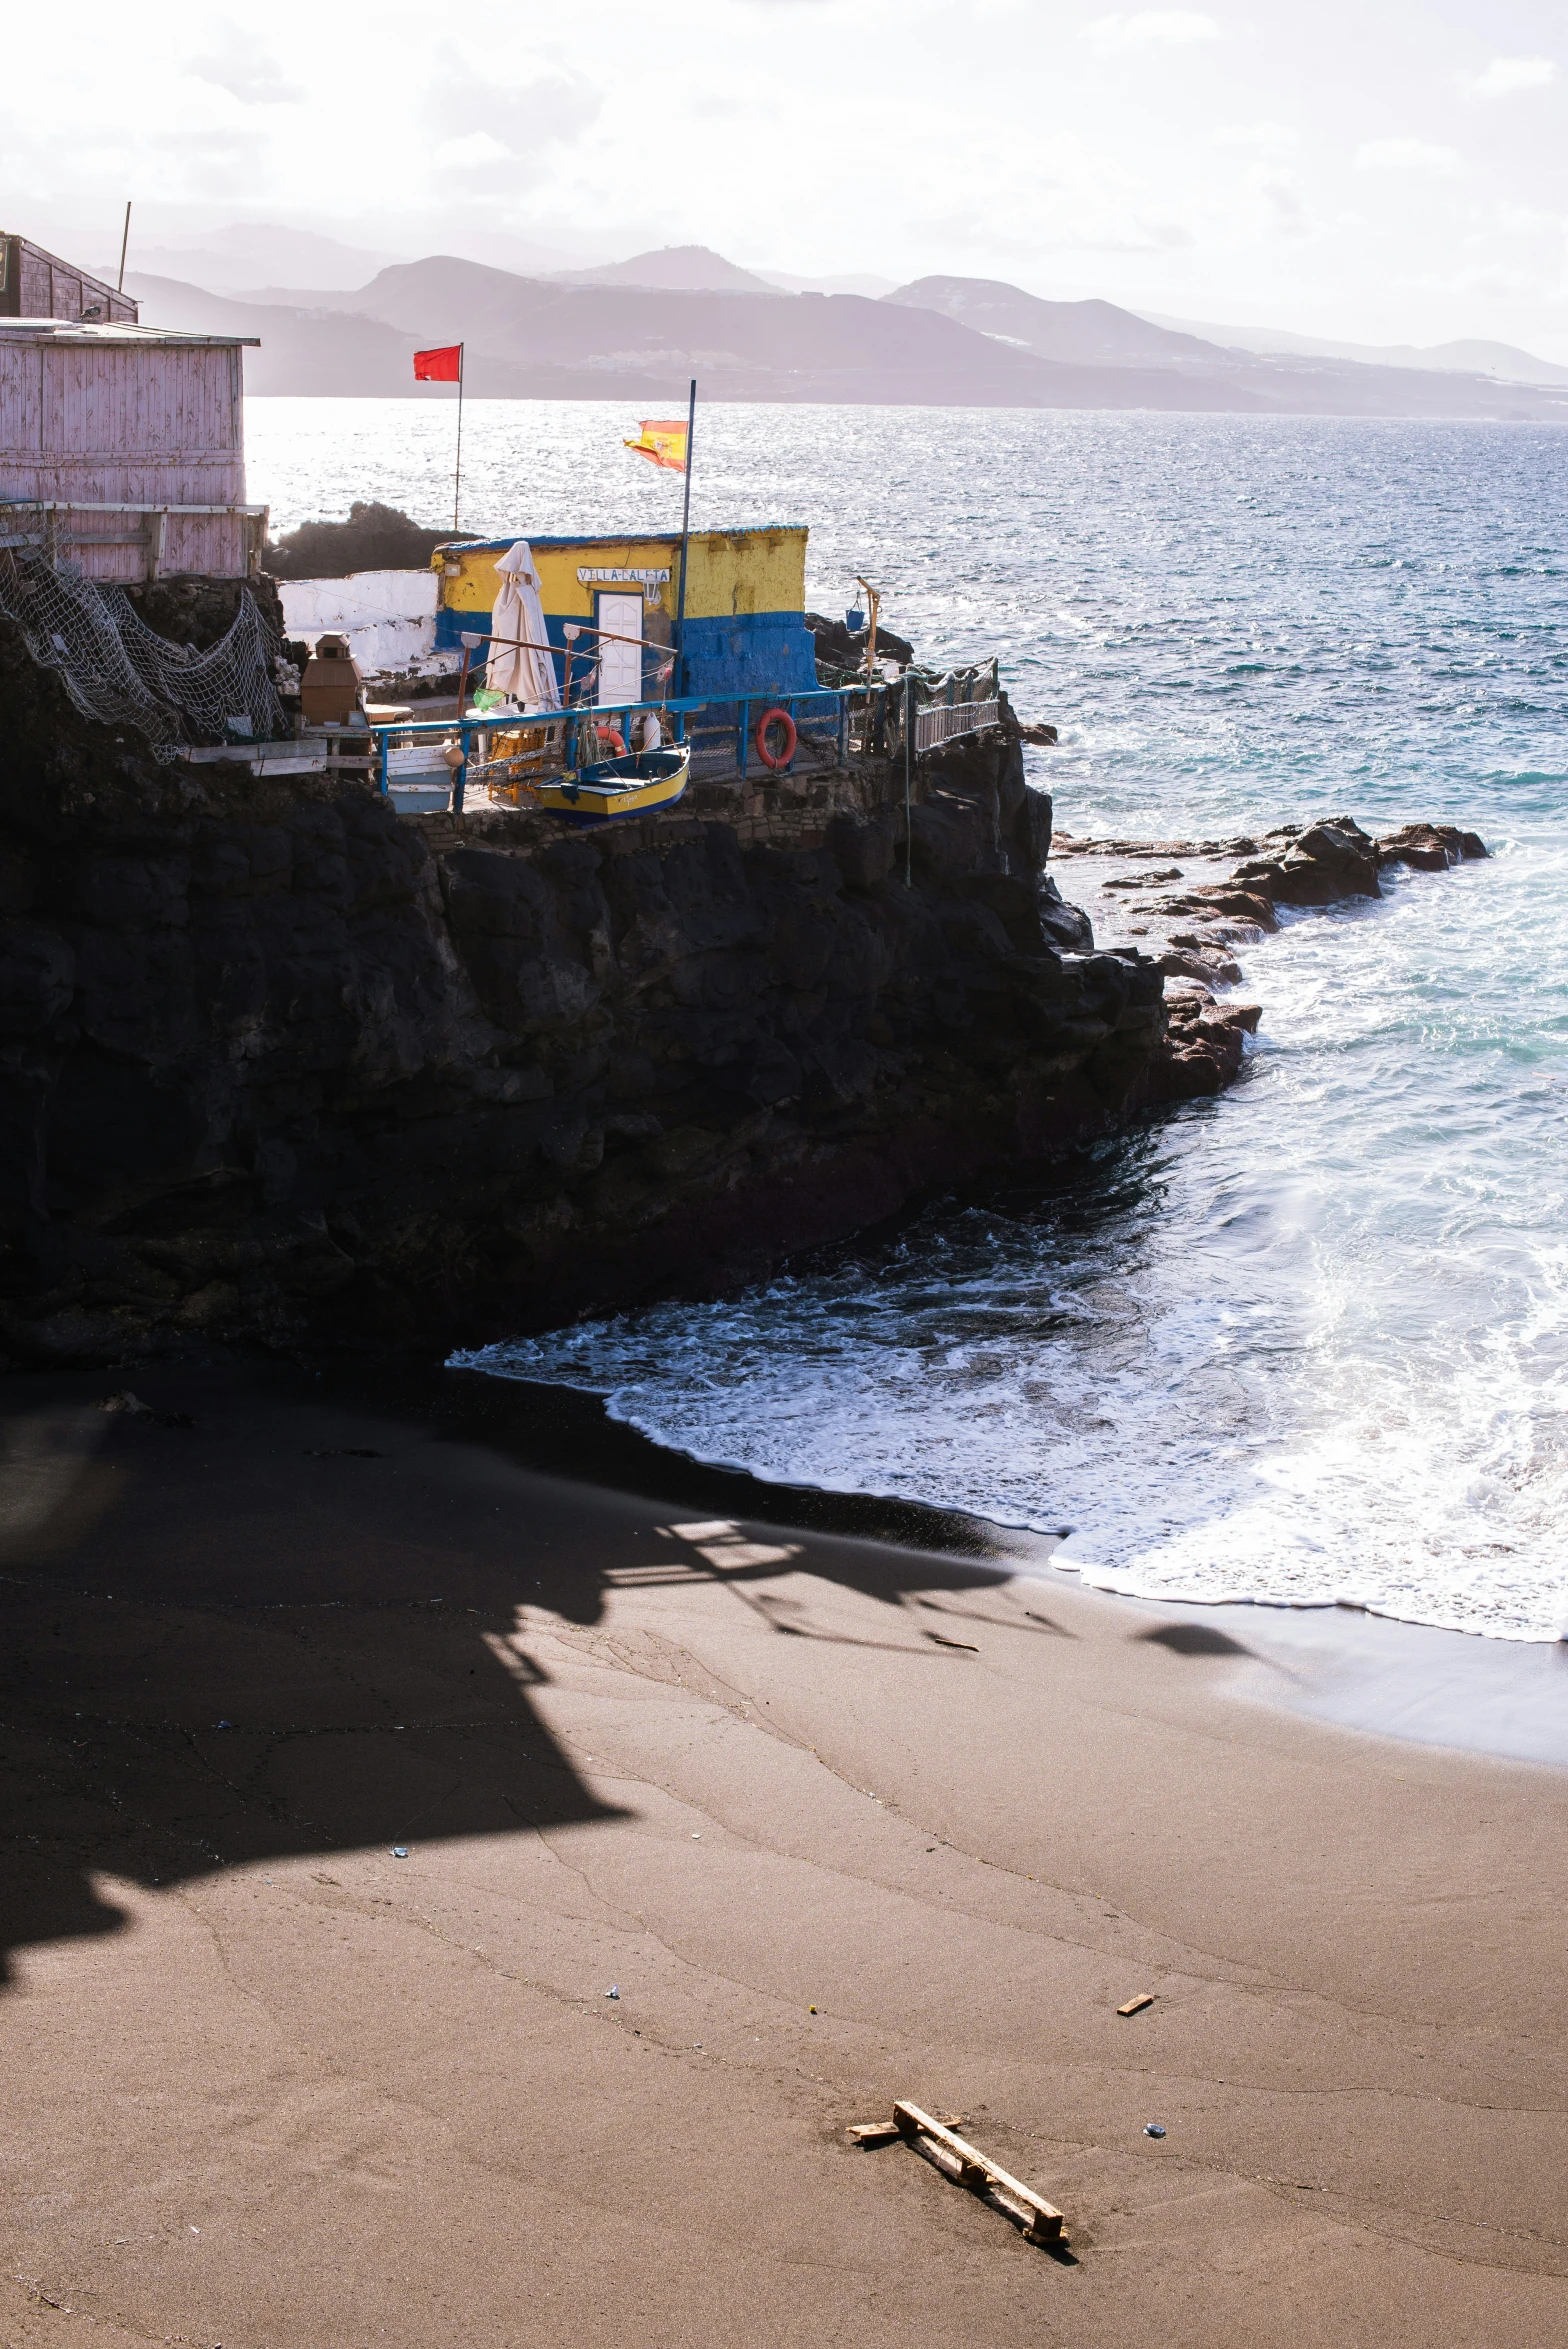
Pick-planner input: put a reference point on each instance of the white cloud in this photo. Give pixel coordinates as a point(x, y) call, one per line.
point(516, 119)
point(1282, 204)
point(1257, 134)
point(1152, 28)
point(239, 64)
point(1405, 155)
point(1506, 74)
point(473, 149)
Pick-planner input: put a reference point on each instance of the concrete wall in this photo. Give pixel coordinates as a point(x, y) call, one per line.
point(389, 617)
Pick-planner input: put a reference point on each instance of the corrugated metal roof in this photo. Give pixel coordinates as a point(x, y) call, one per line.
point(85, 331)
point(628, 537)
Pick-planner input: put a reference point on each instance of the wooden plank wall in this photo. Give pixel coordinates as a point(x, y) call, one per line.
point(151, 424)
point(40, 285)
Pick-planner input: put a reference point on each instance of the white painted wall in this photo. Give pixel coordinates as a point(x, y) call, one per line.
point(389, 617)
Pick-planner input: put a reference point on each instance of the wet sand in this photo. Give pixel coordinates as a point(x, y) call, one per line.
point(264, 2084)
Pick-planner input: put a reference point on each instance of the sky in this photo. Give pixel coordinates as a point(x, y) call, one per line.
point(1387, 173)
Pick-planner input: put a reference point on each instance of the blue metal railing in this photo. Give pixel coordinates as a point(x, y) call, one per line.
point(727, 727)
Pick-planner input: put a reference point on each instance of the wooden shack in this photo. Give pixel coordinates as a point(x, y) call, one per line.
point(122, 448)
point(36, 284)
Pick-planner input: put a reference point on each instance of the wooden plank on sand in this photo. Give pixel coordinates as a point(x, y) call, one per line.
point(967, 2166)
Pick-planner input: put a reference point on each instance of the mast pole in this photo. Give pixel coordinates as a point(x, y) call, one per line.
point(457, 476)
point(124, 242)
point(680, 610)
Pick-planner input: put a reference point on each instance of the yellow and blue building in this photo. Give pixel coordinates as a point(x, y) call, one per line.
point(745, 608)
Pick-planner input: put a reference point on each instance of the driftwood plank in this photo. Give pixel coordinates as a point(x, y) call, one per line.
point(964, 2163)
point(884, 2132)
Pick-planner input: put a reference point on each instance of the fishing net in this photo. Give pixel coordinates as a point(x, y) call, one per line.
point(119, 671)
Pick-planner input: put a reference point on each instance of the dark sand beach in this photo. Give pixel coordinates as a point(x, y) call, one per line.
point(843, 1802)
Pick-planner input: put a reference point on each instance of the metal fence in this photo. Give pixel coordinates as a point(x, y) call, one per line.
point(944, 722)
point(831, 725)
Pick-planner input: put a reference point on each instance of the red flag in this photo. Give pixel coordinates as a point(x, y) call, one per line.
point(443, 366)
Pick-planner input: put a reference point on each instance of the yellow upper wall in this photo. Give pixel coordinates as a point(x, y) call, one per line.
point(731, 572)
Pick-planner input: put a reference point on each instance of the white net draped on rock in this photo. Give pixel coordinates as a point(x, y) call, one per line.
point(121, 672)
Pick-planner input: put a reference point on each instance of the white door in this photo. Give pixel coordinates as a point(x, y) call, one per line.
point(620, 662)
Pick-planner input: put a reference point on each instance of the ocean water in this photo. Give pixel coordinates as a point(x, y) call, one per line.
point(1307, 1343)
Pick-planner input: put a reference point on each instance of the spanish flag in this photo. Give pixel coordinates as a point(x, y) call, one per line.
point(662, 443)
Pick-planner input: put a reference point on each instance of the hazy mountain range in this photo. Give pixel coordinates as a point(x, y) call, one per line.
point(637, 329)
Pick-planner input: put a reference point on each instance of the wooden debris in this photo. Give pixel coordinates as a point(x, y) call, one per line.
point(883, 2132)
point(967, 1644)
point(1136, 2005)
point(957, 2159)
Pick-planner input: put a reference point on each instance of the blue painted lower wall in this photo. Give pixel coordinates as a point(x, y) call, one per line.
point(753, 653)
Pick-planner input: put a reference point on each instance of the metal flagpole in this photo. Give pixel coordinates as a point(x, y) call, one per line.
point(680, 609)
point(457, 477)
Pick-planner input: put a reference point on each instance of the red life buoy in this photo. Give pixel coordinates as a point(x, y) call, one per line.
point(760, 738)
point(612, 740)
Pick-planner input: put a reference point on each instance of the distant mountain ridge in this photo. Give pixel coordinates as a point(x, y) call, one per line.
point(1089, 333)
point(938, 341)
point(1505, 362)
point(683, 268)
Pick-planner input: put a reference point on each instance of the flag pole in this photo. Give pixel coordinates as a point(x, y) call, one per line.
point(680, 609)
point(457, 476)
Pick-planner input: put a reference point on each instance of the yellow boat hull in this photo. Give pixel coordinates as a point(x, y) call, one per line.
point(615, 790)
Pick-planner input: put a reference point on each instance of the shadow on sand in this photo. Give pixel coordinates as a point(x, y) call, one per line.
point(286, 1629)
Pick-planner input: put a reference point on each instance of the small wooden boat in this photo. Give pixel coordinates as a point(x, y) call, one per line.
point(611, 790)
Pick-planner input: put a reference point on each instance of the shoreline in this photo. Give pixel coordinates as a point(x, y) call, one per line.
point(452, 1899)
point(1350, 1667)
point(1355, 1667)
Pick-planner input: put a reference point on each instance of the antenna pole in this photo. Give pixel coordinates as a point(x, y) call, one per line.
point(124, 241)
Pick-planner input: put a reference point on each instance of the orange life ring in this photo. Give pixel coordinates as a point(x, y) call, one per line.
point(769, 718)
point(612, 739)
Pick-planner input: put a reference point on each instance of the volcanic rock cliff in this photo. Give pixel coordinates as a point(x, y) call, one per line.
point(280, 1065)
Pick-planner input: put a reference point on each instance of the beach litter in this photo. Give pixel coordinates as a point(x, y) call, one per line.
point(957, 2159)
point(614, 1990)
point(400, 1851)
point(134, 1408)
point(1154, 2128)
point(1136, 2005)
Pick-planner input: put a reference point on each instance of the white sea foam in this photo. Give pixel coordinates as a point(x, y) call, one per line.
point(1307, 1344)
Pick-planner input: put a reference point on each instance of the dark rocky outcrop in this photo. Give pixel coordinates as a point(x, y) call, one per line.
point(1323, 864)
point(276, 1064)
point(1317, 865)
point(841, 650)
point(374, 538)
point(1428, 848)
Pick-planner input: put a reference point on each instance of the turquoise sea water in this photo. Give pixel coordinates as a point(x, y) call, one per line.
point(1305, 1343)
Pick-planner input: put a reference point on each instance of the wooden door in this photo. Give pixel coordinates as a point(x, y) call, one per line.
point(620, 662)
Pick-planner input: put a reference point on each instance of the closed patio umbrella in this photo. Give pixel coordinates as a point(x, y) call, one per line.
point(516, 666)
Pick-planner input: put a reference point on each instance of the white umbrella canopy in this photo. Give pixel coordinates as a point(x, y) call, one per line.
point(516, 666)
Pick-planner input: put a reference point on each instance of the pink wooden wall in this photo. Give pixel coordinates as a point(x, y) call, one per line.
point(123, 421)
point(36, 284)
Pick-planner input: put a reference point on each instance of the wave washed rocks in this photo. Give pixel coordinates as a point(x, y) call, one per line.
point(277, 1065)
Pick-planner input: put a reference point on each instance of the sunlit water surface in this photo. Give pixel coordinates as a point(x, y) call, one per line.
point(1306, 1343)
